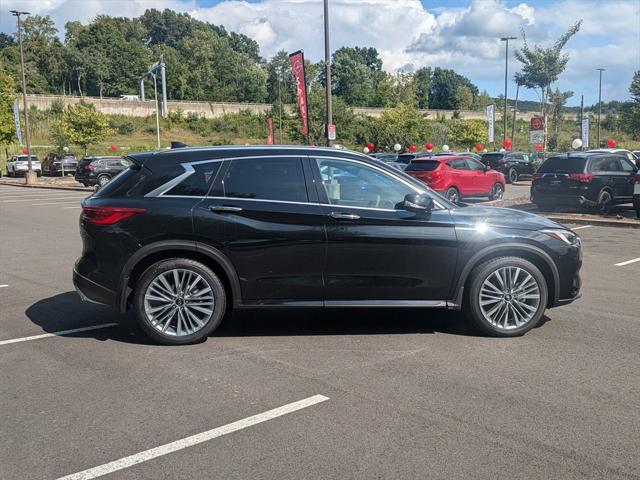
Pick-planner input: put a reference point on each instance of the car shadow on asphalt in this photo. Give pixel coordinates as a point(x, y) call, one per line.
point(66, 311)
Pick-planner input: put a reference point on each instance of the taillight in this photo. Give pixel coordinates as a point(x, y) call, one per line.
point(638, 177)
point(502, 161)
point(89, 166)
point(108, 215)
point(581, 177)
point(537, 176)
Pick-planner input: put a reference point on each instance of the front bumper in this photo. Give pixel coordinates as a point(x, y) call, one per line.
point(90, 291)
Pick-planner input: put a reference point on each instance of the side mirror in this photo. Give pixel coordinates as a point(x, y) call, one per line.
point(417, 203)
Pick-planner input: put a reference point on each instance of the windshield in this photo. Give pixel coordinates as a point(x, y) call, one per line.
point(422, 166)
point(563, 164)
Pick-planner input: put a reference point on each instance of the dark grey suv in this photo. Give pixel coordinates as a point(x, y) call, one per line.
point(99, 170)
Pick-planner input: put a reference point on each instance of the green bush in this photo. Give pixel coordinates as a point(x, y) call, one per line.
point(121, 125)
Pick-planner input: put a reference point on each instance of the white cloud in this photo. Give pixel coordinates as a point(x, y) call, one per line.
point(408, 35)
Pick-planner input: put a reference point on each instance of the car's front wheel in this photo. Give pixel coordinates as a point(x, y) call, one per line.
point(506, 296)
point(512, 175)
point(179, 301)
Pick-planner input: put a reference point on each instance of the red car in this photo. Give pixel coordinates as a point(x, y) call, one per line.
point(458, 176)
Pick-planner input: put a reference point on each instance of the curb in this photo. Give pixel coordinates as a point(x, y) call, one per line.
point(50, 187)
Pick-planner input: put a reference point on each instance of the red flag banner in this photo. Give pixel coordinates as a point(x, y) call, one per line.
point(270, 138)
point(297, 67)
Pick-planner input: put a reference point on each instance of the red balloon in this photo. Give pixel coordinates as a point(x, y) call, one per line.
point(612, 143)
point(114, 147)
point(539, 148)
point(25, 151)
point(429, 146)
point(479, 147)
point(371, 146)
point(507, 144)
point(412, 148)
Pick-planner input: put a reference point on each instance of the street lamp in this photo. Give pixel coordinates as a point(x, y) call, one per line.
point(30, 177)
point(327, 62)
point(506, 66)
point(599, 104)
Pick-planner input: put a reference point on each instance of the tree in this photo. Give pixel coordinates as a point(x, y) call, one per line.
point(422, 79)
point(631, 110)
point(464, 98)
point(558, 100)
point(444, 88)
point(83, 125)
point(466, 133)
point(7, 96)
point(542, 66)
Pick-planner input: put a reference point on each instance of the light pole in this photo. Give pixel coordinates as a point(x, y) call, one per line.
point(506, 67)
point(155, 88)
point(30, 177)
point(327, 61)
point(599, 105)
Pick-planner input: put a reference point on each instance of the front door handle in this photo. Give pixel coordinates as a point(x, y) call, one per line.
point(344, 216)
point(224, 208)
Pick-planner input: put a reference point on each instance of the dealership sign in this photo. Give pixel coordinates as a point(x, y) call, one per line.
point(491, 121)
point(16, 116)
point(297, 68)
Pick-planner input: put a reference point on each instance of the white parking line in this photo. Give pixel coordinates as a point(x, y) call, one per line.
point(75, 206)
point(44, 198)
point(622, 264)
point(53, 203)
point(152, 453)
point(56, 334)
point(3, 286)
point(584, 226)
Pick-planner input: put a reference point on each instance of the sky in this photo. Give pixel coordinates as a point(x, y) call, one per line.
point(409, 34)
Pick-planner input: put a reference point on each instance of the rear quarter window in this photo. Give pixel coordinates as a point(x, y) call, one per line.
point(198, 183)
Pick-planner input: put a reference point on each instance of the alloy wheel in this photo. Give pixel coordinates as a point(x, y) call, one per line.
point(179, 302)
point(509, 298)
point(452, 195)
point(498, 192)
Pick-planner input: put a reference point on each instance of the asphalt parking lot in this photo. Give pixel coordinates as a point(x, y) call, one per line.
point(309, 393)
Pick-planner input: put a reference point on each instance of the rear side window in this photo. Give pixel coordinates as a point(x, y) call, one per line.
point(422, 166)
point(606, 164)
point(270, 178)
point(563, 164)
point(405, 158)
point(197, 184)
point(488, 157)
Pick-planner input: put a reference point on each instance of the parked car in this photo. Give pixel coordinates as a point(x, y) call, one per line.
point(54, 165)
point(185, 235)
point(513, 164)
point(636, 194)
point(18, 165)
point(390, 159)
point(473, 155)
point(595, 179)
point(630, 155)
point(458, 176)
point(99, 170)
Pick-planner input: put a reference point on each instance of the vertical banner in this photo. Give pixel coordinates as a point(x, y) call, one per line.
point(270, 138)
point(16, 116)
point(297, 67)
point(585, 133)
point(491, 122)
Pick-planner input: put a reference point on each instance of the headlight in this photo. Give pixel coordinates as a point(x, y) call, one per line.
point(565, 236)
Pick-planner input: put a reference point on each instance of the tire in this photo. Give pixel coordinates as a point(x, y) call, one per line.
point(497, 192)
point(505, 307)
point(453, 194)
point(103, 180)
point(605, 200)
point(164, 326)
point(512, 175)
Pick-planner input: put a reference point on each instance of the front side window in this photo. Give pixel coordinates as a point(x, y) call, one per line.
point(269, 178)
point(197, 184)
point(458, 164)
point(357, 185)
point(627, 166)
point(474, 164)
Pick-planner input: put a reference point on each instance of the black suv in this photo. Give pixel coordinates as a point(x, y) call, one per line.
point(512, 164)
point(591, 179)
point(185, 235)
point(55, 165)
point(99, 170)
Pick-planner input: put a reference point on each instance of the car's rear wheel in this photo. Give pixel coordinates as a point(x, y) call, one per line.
point(103, 180)
point(497, 192)
point(179, 301)
point(605, 200)
point(506, 297)
point(512, 175)
point(453, 194)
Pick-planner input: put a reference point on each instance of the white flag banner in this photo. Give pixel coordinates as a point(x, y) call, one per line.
point(585, 133)
point(16, 116)
point(491, 122)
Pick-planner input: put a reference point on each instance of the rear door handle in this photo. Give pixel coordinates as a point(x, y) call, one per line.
point(224, 208)
point(344, 216)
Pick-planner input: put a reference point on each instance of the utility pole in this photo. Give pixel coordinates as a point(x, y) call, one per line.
point(327, 61)
point(506, 67)
point(599, 105)
point(515, 111)
point(30, 177)
point(581, 119)
point(155, 88)
point(279, 73)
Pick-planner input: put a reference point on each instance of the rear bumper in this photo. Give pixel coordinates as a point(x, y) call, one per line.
point(90, 291)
